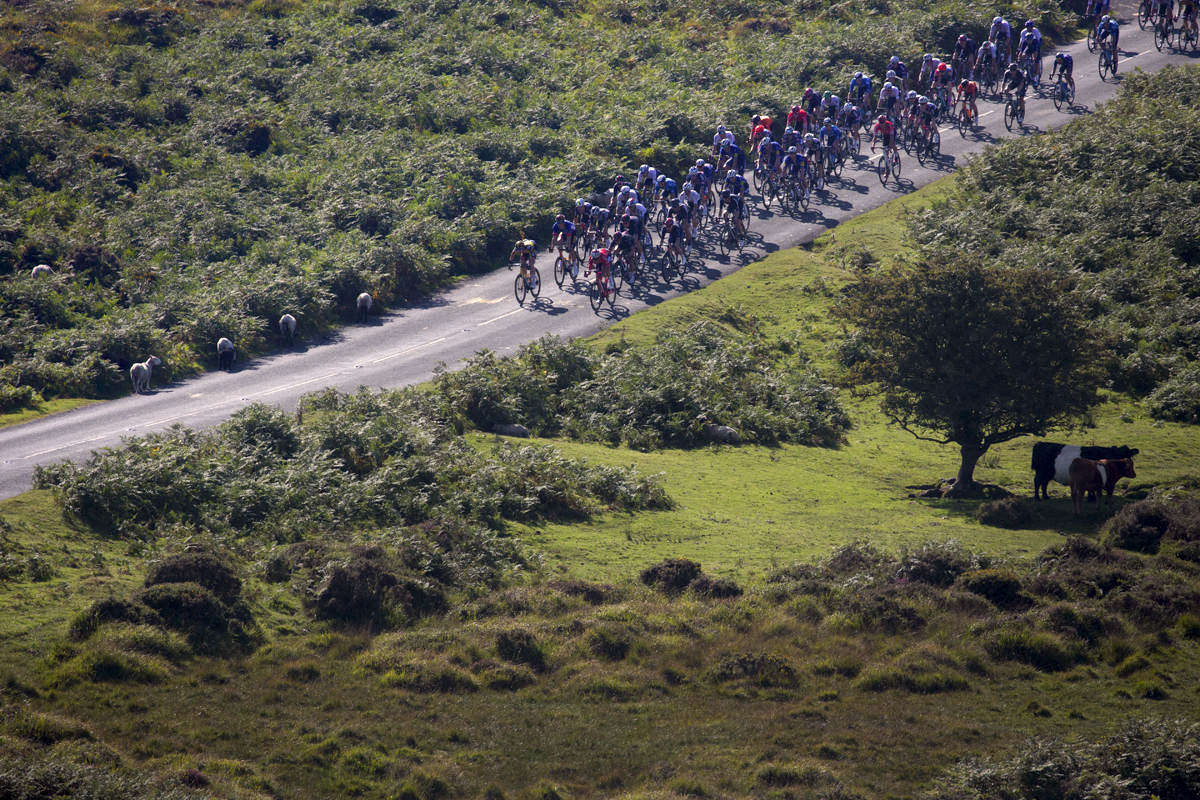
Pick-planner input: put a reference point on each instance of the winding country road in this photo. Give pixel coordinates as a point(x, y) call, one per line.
point(405, 346)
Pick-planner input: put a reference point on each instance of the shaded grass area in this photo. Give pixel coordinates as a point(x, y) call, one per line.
point(42, 409)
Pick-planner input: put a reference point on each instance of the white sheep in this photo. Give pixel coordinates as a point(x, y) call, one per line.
point(140, 374)
point(225, 354)
point(287, 326)
point(364, 306)
point(42, 271)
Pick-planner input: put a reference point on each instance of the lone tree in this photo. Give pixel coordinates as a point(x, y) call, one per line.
point(974, 356)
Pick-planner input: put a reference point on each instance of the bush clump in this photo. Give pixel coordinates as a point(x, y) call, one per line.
point(1012, 513)
point(717, 588)
point(673, 575)
point(1139, 526)
point(761, 669)
point(1041, 651)
point(521, 647)
point(1000, 586)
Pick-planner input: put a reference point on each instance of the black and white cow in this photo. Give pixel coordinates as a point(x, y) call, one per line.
point(1051, 461)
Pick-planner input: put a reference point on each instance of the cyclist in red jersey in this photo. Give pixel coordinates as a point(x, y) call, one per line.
point(887, 132)
point(797, 118)
point(968, 90)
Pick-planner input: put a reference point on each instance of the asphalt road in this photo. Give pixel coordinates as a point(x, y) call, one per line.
point(405, 346)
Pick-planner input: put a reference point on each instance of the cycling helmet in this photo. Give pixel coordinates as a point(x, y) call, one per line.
point(963, 83)
point(962, 37)
point(668, 222)
point(596, 254)
point(692, 171)
point(720, 129)
point(792, 149)
point(661, 178)
point(1014, 65)
point(927, 57)
point(579, 201)
point(687, 187)
point(858, 75)
point(788, 129)
point(1059, 57)
point(826, 95)
point(625, 190)
point(882, 119)
point(911, 95)
point(894, 60)
point(1029, 23)
point(891, 74)
point(755, 119)
point(808, 137)
point(887, 85)
point(699, 163)
point(922, 99)
point(731, 174)
point(827, 121)
point(795, 108)
point(587, 206)
point(624, 218)
point(1103, 20)
point(997, 21)
point(620, 179)
point(559, 218)
point(644, 168)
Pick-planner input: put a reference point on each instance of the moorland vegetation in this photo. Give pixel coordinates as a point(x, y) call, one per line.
point(194, 170)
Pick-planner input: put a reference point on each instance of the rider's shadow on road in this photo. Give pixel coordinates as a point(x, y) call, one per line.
point(547, 306)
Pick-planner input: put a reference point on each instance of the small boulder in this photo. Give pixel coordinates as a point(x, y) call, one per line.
point(722, 434)
point(518, 431)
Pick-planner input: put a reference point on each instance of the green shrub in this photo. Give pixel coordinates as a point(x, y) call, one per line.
point(609, 642)
point(1138, 526)
point(42, 729)
point(1041, 651)
point(718, 588)
point(888, 678)
point(1011, 512)
point(761, 669)
point(521, 647)
point(938, 563)
point(1000, 586)
point(202, 568)
point(672, 575)
point(427, 677)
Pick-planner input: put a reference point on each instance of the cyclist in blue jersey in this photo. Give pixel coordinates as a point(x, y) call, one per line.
point(860, 88)
point(1109, 28)
point(1031, 44)
point(562, 236)
point(1064, 64)
point(794, 164)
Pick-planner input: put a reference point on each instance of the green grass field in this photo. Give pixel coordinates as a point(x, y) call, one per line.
point(816, 682)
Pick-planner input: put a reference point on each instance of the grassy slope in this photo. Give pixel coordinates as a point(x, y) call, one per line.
point(43, 409)
point(303, 717)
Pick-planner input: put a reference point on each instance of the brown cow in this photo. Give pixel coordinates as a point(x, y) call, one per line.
point(1100, 477)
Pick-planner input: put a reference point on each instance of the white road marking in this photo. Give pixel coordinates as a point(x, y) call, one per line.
point(502, 316)
point(475, 300)
point(402, 352)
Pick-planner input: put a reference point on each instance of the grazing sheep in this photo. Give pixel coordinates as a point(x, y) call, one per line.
point(287, 326)
point(42, 270)
point(225, 354)
point(140, 374)
point(364, 306)
point(519, 431)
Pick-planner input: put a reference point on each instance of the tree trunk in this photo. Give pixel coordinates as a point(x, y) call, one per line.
point(966, 470)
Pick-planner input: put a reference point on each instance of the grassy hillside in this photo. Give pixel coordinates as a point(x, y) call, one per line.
point(194, 170)
point(810, 630)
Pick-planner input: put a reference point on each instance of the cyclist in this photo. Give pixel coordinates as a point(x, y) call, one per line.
point(691, 199)
point(790, 137)
point(618, 185)
point(524, 250)
point(1165, 9)
point(812, 104)
point(598, 262)
point(1000, 34)
point(798, 118)
point(830, 135)
point(1109, 27)
point(731, 206)
point(1064, 64)
point(672, 234)
point(793, 168)
point(1031, 44)
point(829, 104)
point(735, 158)
point(860, 89)
point(720, 137)
point(885, 130)
point(737, 183)
point(897, 66)
point(912, 106)
point(562, 236)
point(943, 76)
point(889, 96)
point(1187, 12)
point(1015, 82)
point(1095, 9)
point(985, 57)
point(769, 153)
point(926, 114)
point(623, 244)
point(968, 90)
point(645, 179)
point(852, 119)
point(928, 65)
point(964, 51)
point(760, 121)
point(600, 216)
point(683, 218)
point(636, 225)
point(583, 212)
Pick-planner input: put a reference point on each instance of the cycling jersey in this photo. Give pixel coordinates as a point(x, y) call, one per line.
point(670, 187)
point(970, 90)
point(1000, 31)
point(737, 184)
point(860, 87)
point(793, 163)
point(900, 70)
point(672, 234)
point(624, 241)
point(1014, 81)
point(1031, 41)
point(1067, 65)
point(986, 50)
point(727, 136)
point(566, 227)
point(600, 262)
point(1109, 29)
point(797, 119)
point(829, 134)
point(964, 49)
point(943, 74)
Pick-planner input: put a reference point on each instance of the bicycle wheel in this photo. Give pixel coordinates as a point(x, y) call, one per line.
point(884, 169)
point(1143, 15)
point(964, 122)
point(1105, 64)
point(561, 271)
point(909, 139)
point(1059, 94)
point(835, 164)
point(759, 173)
point(617, 274)
point(535, 282)
point(610, 292)
point(802, 198)
point(667, 266)
point(1010, 114)
point(1091, 38)
point(520, 289)
point(596, 294)
point(1160, 36)
point(896, 166)
point(723, 238)
point(922, 147)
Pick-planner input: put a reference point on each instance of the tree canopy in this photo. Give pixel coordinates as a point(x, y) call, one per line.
point(972, 355)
